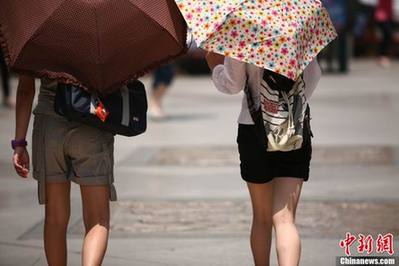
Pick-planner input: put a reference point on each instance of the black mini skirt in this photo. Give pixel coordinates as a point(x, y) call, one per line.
point(260, 166)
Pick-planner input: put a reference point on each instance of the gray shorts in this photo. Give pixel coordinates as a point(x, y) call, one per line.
point(64, 151)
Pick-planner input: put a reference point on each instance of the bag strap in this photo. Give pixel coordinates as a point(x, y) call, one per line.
point(255, 113)
point(291, 123)
point(250, 102)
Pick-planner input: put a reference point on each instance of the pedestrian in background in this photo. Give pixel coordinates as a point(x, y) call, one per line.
point(65, 151)
point(163, 78)
point(5, 78)
point(337, 52)
point(384, 19)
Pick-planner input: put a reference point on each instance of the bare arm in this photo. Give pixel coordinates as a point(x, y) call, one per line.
point(214, 59)
point(25, 95)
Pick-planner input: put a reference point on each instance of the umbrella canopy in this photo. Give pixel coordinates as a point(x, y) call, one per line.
point(283, 36)
point(99, 44)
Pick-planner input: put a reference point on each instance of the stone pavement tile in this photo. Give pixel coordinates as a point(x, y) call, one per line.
point(14, 223)
point(19, 253)
point(349, 182)
point(352, 183)
point(196, 251)
point(211, 251)
point(221, 218)
point(31, 252)
point(356, 126)
point(227, 155)
point(152, 251)
point(179, 183)
point(19, 208)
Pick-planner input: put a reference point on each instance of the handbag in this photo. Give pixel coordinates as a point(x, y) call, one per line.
point(123, 112)
point(283, 114)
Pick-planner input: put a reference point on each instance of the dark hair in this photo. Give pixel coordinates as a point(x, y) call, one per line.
point(278, 82)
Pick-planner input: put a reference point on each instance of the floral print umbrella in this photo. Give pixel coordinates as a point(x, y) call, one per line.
point(283, 36)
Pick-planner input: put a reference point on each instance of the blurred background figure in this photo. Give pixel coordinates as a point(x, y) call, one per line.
point(193, 63)
point(384, 20)
point(5, 84)
point(366, 28)
point(336, 55)
point(375, 30)
point(163, 78)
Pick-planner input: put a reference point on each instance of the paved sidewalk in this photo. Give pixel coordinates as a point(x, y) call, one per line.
point(181, 199)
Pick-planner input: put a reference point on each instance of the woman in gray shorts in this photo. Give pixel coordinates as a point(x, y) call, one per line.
point(65, 151)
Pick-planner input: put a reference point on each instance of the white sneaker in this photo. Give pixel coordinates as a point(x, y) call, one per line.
point(156, 113)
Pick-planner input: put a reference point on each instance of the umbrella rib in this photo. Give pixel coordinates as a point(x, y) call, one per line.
point(151, 19)
point(97, 34)
point(4, 45)
point(98, 43)
point(151, 66)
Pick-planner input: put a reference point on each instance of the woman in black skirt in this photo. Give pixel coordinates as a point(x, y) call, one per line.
point(274, 179)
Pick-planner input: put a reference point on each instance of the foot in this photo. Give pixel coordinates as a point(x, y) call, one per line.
point(385, 62)
point(156, 112)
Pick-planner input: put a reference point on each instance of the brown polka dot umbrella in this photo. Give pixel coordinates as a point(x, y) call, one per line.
point(99, 44)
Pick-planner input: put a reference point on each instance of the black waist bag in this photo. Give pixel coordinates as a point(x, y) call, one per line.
point(123, 112)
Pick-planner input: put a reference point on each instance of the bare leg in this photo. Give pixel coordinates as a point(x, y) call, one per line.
point(286, 192)
point(56, 223)
point(261, 232)
point(386, 43)
point(156, 100)
point(95, 201)
point(159, 92)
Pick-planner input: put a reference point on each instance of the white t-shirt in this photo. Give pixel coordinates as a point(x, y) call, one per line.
point(231, 77)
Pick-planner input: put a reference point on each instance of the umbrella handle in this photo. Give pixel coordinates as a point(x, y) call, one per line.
point(190, 40)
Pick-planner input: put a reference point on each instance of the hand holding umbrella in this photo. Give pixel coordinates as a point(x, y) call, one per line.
point(214, 59)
